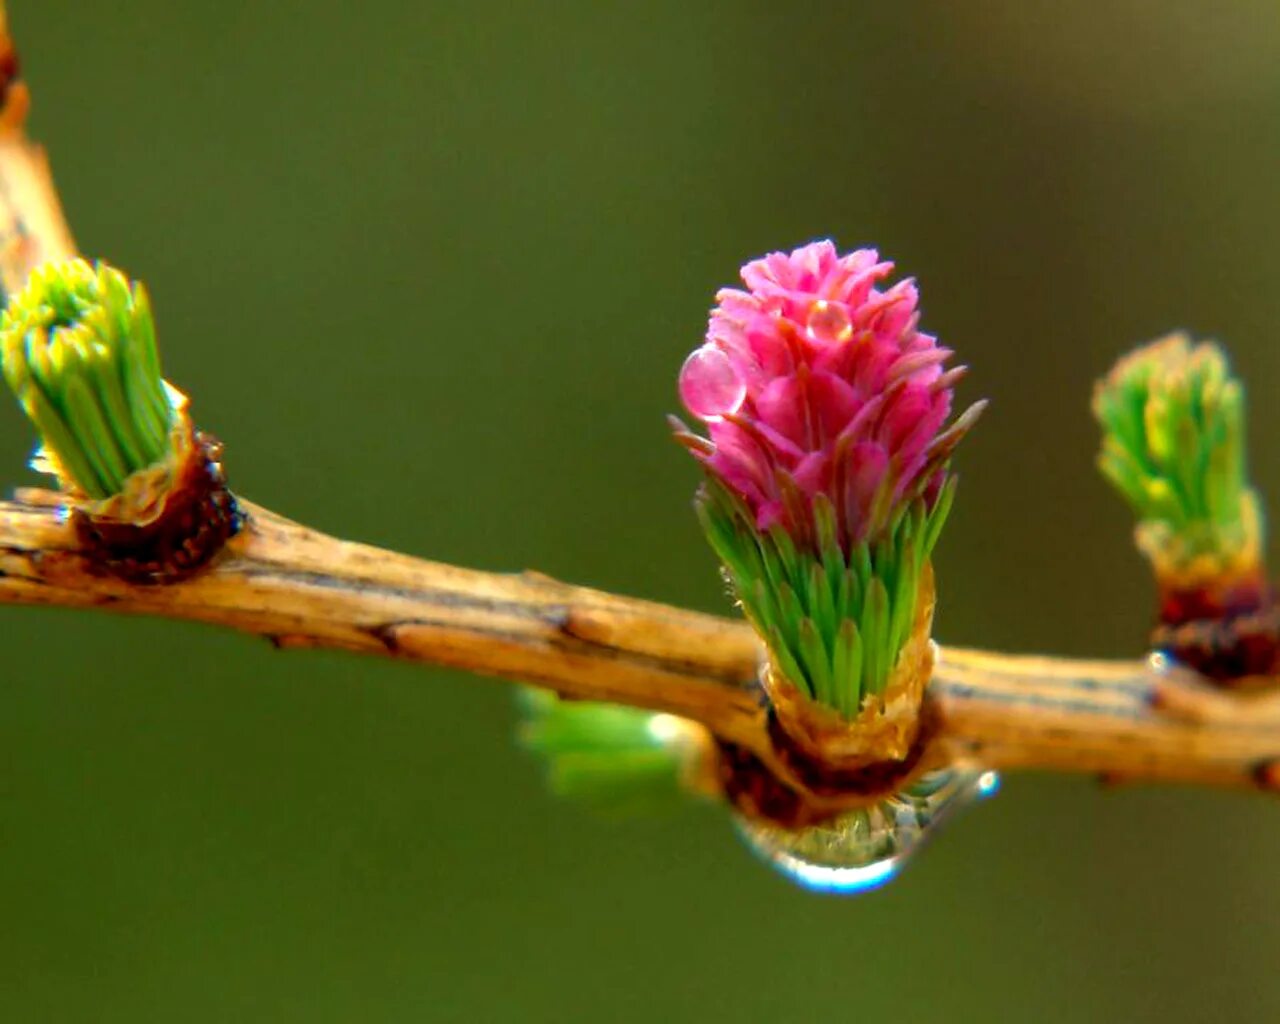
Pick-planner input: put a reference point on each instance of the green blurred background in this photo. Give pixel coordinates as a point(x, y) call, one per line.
point(429, 269)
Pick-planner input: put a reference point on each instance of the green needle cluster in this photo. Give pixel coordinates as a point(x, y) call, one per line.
point(79, 351)
point(834, 623)
point(617, 758)
point(1173, 445)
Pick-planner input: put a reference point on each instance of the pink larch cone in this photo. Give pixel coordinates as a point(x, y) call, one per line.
point(814, 381)
point(827, 482)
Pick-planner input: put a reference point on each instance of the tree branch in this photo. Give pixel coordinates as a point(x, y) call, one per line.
point(32, 227)
point(1125, 720)
point(299, 588)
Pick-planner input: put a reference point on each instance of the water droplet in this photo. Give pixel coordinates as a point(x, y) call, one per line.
point(863, 849)
point(709, 385)
point(829, 322)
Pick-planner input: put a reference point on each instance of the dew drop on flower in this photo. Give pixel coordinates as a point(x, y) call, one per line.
point(829, 322)
point(709, 385)
point(865, 848)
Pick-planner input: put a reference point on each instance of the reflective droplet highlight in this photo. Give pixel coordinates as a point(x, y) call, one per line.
point(829, 322)
point(709, 385)
point(863, 849)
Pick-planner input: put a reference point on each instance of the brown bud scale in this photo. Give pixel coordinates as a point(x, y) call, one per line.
point(756, 791)
point(1239, 651)
point(200, 515)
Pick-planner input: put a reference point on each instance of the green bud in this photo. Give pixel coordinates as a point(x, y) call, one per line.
point(616, 758)
point(1172, 418)
point(79, 352)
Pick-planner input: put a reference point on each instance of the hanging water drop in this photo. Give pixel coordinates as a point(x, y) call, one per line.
point(863, 849)
point(709, 385)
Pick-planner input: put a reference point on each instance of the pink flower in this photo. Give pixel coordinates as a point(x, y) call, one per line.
point(815, 382)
